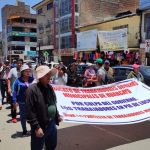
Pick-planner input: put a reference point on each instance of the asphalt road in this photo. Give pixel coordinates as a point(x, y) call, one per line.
point(79, 136)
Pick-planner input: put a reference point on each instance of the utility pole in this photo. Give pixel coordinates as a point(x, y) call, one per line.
point(59, 29)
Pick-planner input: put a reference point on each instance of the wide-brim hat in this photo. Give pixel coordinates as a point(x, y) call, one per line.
point(136, 66)
point(43, 70)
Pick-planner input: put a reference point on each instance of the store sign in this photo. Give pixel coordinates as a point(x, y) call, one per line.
point(64, 52)
point(30, 34)
point(144, 4)
point(23, 43)
point(87, 40)
point(32, 53)
point(113, 40)
point(17, 52)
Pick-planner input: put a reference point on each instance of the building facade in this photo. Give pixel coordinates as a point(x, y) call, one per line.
point(64, 18)
point(45, 29)
point(144, 11)
point(68, 15)
point(102, 10)
point(19, 32)
point(1, 46)
point(126, 15)
point(114, 24)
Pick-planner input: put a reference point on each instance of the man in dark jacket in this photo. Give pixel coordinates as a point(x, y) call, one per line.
point(42, 112)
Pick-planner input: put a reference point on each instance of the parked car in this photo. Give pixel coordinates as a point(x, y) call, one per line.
point(52, 64)
point(121, 73)
point(81, 69)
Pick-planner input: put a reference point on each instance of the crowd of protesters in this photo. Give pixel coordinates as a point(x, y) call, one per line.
point(30, 89)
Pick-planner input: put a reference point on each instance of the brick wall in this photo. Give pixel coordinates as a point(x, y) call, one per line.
point(92, 11)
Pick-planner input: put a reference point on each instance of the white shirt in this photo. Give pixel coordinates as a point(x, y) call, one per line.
point(101, 72)
point(60, 80)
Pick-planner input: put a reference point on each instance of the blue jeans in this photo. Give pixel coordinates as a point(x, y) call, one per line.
point(22, 108)
point(49, 138)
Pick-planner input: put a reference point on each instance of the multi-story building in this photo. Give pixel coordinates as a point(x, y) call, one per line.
point(1, 44)
point(144, 11)
point(102, 10)
point(19, 31)
point(45, 29)
point(61, 16)
point(68, 15)
point(124, 15)
point(66, 19)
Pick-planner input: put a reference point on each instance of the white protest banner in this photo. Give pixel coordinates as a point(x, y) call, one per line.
point(124, 102)
point(113, 40)
point(87, 40)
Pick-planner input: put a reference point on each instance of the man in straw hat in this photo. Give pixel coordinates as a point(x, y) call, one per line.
point(42, 112)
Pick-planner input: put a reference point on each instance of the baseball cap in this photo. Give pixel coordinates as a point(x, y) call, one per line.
point(136, 66)
point(107, 62)
point(24, 67)
point(99, 60)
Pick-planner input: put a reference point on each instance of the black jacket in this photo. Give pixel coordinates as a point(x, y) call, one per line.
point(37, 105)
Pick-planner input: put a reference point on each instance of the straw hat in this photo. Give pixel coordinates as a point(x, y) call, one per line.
point(41, 71)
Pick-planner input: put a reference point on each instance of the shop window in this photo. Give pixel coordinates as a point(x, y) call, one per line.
point(32, 48)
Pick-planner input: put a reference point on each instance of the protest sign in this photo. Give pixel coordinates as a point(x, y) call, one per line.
point(124, 102)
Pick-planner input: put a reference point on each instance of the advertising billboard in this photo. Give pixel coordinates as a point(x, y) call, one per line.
point(113, 40)
point(87, 40)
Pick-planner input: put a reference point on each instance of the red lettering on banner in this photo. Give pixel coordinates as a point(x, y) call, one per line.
point(119, 93)
point(127, 85)
point(129, 115)
point(80, 95)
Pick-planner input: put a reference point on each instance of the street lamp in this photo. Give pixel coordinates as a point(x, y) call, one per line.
point(39, 46)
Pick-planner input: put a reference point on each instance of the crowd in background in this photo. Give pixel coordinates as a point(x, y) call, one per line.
point(21, 85)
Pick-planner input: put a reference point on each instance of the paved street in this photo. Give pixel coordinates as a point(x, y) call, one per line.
point(79, 137)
